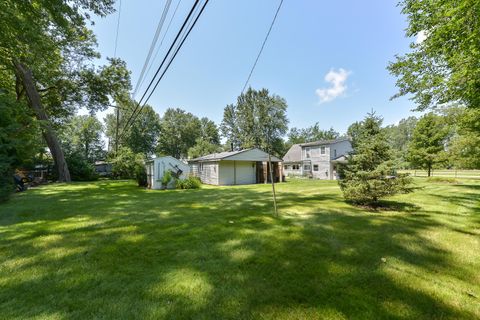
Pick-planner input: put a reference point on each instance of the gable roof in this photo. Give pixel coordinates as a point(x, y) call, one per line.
point(294, 154)
point(323, 142)
point(229, 154)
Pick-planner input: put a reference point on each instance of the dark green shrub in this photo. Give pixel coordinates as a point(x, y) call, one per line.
point(189, 183)
point(80, 169)
point(6, 180)
point(167, 177)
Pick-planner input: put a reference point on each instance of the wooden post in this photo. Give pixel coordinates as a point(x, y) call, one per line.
point(273, 185)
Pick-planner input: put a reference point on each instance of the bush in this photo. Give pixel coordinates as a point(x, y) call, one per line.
point(80, 169)
point(189, 183)
point(6, 180)
point(167, 177)
point(128, 165)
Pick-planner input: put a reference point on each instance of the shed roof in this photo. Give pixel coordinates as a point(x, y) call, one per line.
point(226, 155)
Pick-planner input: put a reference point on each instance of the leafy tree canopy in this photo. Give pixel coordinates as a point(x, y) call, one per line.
point(258, 119)
point(443, 68)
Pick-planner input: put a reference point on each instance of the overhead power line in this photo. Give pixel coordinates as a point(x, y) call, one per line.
point(263, 45)
point(118, 27)
point(161, 42)
point(153, 44)
point(175, 44)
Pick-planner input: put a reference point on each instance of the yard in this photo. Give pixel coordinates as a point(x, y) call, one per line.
point(110, 250)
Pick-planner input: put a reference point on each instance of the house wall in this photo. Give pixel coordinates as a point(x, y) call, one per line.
point(208, 172)
point(289, 171)
point(237, 172)
point(342, 148)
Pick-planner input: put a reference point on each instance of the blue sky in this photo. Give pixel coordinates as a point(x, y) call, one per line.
point(349, 43)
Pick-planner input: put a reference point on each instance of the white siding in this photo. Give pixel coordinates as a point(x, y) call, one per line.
point(208, 172)
point(162, 164)
point(237, 172)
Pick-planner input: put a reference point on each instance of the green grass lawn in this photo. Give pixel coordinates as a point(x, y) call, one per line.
point(109, 250)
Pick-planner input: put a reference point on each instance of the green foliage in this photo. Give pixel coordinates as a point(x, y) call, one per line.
point(142, 134)
point(83, 134)
point(17, 140)
point(309, 134)
point(399, 137)
point(258, 119)
point(370, 174)
point(80, 168)
point(189, 183)
point(444, 67)
point(166, 178)
point(203, 147)
point(179, 130)
point(427, 146)
point(128, 165)
point(464, 145)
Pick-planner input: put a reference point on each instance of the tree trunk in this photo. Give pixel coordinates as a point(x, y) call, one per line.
point(429, 170)
point(34, 101)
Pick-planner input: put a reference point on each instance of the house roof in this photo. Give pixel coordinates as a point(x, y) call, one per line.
point(323, 142)
point(228, 154)
point(294, 154)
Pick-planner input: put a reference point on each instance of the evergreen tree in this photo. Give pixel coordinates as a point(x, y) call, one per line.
point(427, 146)
point(369, 174)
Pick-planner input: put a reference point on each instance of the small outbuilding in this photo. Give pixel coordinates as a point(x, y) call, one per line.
point(248, 166)
point(157, 167)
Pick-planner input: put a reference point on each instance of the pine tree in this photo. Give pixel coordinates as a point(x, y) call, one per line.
point(370, 174)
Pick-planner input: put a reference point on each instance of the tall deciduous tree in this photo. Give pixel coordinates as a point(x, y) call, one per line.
point(179, 131)
point(46, 51)
point(84, 134)
point(443, 68)
point(399, 136)
point(142, 134)
point(427, 146)
point(258, 119)
point(309, 134)
point(370, 174)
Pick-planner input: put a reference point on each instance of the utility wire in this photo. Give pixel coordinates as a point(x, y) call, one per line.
point(118, 27)
point(152, 45)
point(263, 45)
point(187, 19)
point(161, 42)
point(177, 50)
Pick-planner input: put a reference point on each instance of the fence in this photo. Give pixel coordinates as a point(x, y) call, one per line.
point(444, 173)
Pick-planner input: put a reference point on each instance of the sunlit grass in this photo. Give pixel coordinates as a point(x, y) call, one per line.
point(113, 251)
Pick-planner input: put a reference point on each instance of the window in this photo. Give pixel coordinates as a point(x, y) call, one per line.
point(306, 167)
point(334, 153)
point(315, 167)
point(286, 167)
point(322, 150)
point(200, 167)
point(307, 153)
point(295, 167)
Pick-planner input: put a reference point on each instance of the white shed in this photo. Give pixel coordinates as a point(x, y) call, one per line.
point(157, 167)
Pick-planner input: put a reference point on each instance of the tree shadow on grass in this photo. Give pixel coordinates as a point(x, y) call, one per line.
point(176, 255)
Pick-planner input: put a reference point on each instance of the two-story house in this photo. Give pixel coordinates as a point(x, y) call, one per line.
point(318, 159)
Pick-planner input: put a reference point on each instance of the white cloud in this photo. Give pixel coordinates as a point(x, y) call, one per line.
point(421, 36)
point(338, 80)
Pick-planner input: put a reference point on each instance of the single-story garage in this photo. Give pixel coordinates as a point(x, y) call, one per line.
point(157, 167)
point(236, 167)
